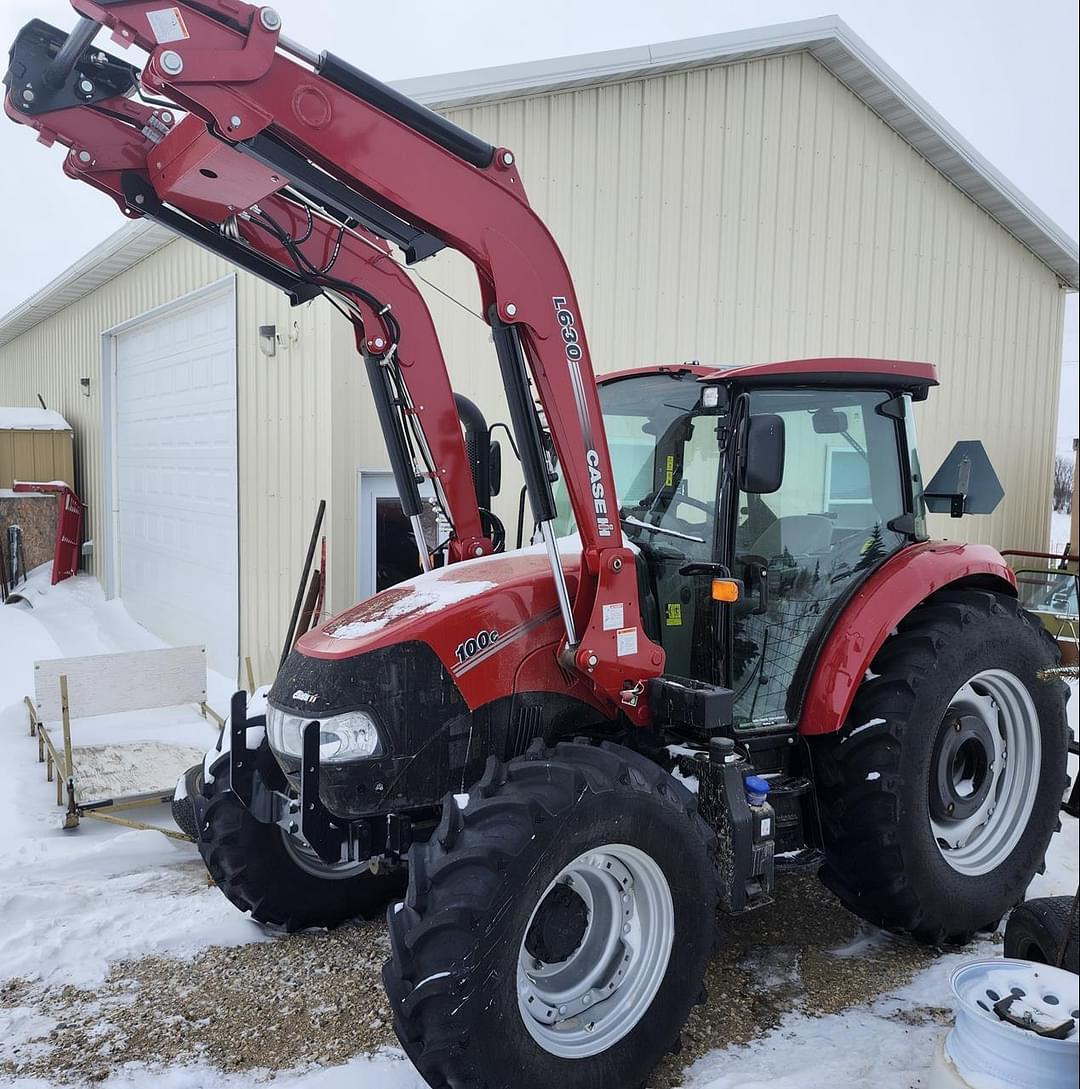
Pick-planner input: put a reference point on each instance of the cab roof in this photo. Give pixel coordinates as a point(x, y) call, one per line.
point(843, 370)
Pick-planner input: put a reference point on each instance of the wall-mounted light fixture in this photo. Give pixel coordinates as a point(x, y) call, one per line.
point(268, 340)
point(85, 383)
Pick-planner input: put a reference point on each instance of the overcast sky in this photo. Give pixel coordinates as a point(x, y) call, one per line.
point(1004, 74)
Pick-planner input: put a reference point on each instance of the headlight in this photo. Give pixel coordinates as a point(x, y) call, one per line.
point(350, 736)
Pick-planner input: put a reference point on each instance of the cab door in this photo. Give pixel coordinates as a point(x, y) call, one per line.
point(803, 548)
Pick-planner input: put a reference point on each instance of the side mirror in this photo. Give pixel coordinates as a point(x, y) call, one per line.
point(761, 466)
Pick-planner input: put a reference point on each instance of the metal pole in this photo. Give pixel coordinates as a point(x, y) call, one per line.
point(61, 65)
point(417, 524)
point(561, 591)
point(301, 52)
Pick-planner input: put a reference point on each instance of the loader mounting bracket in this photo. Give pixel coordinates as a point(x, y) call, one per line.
point(95, 77)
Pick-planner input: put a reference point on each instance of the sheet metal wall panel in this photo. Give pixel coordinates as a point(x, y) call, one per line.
point(283, 421)
point(729, 213)
point(760, 210)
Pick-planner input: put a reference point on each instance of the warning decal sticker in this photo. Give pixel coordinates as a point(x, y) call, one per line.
point(625, 642)
point(167, 25)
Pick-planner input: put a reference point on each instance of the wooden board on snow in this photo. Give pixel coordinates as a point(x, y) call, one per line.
point(105, 684)
point(140, 767)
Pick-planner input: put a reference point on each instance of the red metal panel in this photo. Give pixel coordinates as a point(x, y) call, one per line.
point(886, 597)
point(922, 373)
point(509, 598)
point(69, 519)
point(207, 178)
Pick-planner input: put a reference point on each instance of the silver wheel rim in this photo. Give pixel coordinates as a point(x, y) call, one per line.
point(305, 858)
point(589, 1001)
point(998, 705)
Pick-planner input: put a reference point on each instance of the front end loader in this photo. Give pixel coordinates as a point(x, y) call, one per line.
point(732, 652)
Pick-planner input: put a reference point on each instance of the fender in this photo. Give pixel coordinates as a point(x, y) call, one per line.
point(885, 598)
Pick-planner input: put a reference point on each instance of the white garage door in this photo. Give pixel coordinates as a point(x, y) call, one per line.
point(175, 486)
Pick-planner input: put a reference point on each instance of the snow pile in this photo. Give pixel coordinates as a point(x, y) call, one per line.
point(72, 903)
point(423, 594)
point(31, 419)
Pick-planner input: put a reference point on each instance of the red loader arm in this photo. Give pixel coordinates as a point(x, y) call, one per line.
point(270, 139)
point(111, 146)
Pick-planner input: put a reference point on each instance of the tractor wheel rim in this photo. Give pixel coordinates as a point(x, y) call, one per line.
point(989, 777)
point(306, 859)
point(586, 1002)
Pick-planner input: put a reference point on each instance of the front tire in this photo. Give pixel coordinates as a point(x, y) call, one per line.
point(282, 885)
point(1044, 930)
point(940, 795)
point(557, 929)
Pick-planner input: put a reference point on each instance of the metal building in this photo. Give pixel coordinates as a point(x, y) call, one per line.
point(767, 194)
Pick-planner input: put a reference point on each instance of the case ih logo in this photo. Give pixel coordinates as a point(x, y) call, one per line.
point(574, 353)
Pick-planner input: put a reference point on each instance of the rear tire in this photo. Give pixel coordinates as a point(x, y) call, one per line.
point(492, 928)
point(261, 873)
point(1037, 929)
point(183, 812)
point(952, 697)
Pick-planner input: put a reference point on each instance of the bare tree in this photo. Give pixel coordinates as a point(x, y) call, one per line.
point(1063, 484)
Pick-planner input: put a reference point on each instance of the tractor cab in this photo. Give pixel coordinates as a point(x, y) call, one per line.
point(796, 480)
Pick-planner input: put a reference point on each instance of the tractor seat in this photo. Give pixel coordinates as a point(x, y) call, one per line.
point(799, 534)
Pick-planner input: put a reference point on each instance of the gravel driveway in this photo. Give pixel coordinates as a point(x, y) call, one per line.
point(316, 998)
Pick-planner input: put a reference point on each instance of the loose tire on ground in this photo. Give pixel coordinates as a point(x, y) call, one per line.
point(1039, 928)
point(261, 871)
point(488, 901)
point(884, 858)
point(183, 813)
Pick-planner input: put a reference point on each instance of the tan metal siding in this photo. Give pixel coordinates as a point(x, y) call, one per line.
point(736, 213)
point(284, 434)
point(759, 211)
point(35, 455)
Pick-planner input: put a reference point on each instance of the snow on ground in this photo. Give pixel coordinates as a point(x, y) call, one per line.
point(74, 905)
point(75, 901)
point(384, 1070)
point(1060, 526)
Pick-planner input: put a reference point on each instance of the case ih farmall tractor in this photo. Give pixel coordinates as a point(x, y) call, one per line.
point(739, 596)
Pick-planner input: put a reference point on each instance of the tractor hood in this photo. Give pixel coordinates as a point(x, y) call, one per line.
point(480, 617)
point(449, 667)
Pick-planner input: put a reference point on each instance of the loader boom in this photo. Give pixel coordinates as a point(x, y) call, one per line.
point(285, 151)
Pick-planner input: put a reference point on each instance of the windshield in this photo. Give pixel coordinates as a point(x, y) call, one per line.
point(665, 455)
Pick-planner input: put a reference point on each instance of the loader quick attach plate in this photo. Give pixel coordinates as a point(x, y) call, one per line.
point(95, 77)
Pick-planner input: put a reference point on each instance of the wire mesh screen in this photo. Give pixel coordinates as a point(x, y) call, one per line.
point(776, 639)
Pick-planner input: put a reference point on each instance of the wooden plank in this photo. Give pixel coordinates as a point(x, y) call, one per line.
point(138, 767)
point(105, 684)
point(140, 825)
point(129, 801)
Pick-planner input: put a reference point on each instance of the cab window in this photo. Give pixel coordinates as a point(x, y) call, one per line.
point(804, 545)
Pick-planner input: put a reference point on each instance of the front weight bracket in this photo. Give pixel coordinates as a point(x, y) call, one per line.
point(317, 824)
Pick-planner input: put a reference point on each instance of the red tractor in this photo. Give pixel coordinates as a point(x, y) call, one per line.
point(732, 652)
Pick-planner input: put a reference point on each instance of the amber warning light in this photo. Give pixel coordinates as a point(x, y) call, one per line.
point(726, 590)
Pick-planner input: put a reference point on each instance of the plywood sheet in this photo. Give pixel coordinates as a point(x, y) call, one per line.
point(104, 684)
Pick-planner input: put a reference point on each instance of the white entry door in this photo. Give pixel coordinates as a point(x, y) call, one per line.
point(175, 483)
